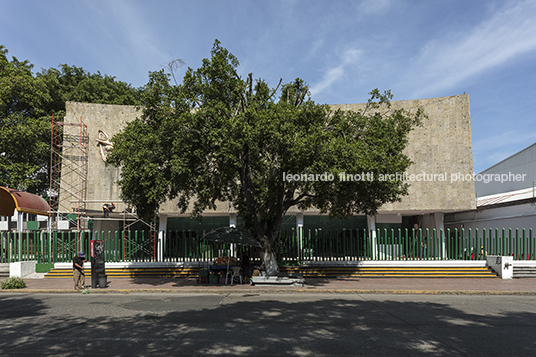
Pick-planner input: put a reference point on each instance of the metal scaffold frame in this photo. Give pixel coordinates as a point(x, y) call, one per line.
point(151, 244)
point(68, 172)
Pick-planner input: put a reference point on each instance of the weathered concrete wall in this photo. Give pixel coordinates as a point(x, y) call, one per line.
point(101, 179)
point(441, 146)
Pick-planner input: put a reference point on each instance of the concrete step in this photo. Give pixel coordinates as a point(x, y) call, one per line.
point(4, 270)
point(131, 273)
point(374, 268)
point(525, 272)
point(327, 272)
point(394, 272)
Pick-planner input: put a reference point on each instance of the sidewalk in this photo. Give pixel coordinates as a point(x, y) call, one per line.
point(312, 285)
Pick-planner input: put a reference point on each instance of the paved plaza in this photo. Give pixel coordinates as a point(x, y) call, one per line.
point(325, 317)
point(320, 285)
point(246, 323)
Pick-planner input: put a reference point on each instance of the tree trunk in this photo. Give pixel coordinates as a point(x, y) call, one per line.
point(270, 261)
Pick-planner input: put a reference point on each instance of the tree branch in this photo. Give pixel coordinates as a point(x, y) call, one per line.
point(276, 88)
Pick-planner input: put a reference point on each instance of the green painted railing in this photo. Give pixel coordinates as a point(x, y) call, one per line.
point(468, 244)
point(297, 246)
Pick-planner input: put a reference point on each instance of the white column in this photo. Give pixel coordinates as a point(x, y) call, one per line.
point(232, 220)
point(162, 227)
point(232, 223)
point(299, 233)
point(371, 223)
point(440, 231)
point(20, 220)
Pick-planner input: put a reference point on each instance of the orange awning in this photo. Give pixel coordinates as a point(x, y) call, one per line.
point(11, 199)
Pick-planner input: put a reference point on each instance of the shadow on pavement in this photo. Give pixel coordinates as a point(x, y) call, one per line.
point(193, 282)
point(263, 326)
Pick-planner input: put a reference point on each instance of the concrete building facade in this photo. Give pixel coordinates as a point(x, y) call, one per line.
point(441, 150)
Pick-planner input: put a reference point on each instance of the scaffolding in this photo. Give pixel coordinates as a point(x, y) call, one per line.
point(149, 247)
point(68, 186)
point(68, 173)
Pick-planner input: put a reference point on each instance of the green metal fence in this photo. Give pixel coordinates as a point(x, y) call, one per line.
point(294, 246)
point(468, 244)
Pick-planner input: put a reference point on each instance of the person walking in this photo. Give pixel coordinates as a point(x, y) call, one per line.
point(78, 271)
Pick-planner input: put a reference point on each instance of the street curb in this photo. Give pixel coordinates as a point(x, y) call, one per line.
point(269, 291)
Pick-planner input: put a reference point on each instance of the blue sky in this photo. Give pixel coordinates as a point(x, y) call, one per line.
point(342, 49)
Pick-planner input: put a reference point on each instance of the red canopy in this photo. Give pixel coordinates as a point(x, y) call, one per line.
point(11, 199)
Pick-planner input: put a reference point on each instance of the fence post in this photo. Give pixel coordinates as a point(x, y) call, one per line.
point(160, 246)
point(525, 252)
point(484, 244)
point(426, 245)
point(472, 243)
point(510, 243)
point(406, 242)
point(463, 247)
point(456, 245)
point(531, 245)
point(365, 245)
point(449, 253)
point(2, 248)
point(433, 248)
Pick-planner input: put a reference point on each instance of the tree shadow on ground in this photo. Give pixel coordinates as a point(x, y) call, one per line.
point(194, 282)
point(261, 325)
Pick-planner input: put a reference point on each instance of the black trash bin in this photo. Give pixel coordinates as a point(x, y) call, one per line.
point(103, 281)
point(98, 268)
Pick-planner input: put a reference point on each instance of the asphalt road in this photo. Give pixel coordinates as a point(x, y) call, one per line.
point(266, 325)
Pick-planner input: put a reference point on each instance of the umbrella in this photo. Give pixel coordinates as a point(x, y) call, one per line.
point(231, 235)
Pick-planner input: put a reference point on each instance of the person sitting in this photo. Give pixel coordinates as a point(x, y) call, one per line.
point(246, 267)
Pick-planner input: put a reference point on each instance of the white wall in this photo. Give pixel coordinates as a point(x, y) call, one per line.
point(516, 216)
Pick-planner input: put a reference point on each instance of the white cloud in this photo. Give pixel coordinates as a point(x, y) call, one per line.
point(332, 75)
point(507, 34)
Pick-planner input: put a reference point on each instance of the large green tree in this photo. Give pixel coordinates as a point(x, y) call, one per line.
point(27, 102)
point(24, 102)
point(220, 137)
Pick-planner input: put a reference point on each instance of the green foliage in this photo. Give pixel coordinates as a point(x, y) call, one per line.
point(24, 148)
point(220, 137)
point(27, 102)
point(13, 283)
point(78, 85)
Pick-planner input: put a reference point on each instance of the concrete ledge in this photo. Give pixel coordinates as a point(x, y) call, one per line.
point(525, 263)
point(502, 265)
point(306, 264)
point(139, 265)
point(398, 263)
point(22, 269)
point(287, 280)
